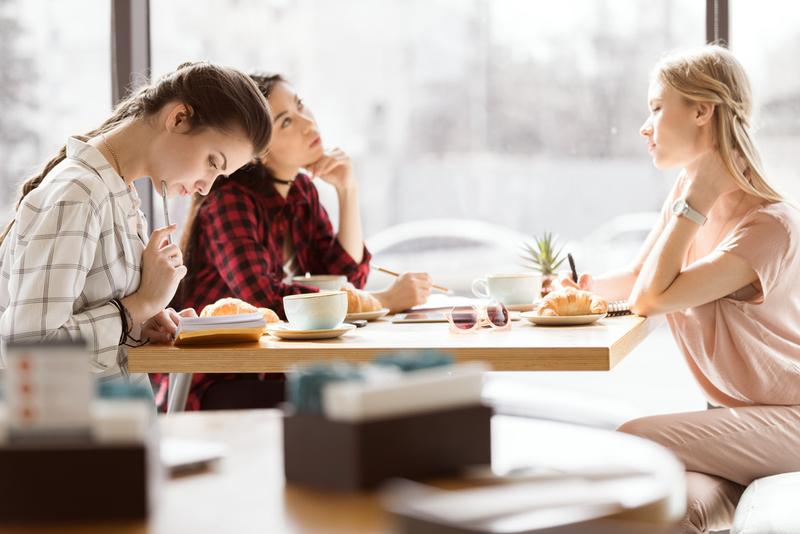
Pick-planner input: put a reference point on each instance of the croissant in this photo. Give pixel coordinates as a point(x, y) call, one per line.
point(234, 306)
point(359, 301)
point(571, 301)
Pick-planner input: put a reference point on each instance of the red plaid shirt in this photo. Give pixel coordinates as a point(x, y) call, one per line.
point(238, 252)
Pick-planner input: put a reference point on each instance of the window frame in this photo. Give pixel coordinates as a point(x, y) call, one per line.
point(130, 65)
point(131, 59)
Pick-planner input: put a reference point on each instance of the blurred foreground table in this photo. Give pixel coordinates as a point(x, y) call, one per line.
point(246, 492)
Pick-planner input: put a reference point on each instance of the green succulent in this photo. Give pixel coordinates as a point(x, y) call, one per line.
point(543, 254)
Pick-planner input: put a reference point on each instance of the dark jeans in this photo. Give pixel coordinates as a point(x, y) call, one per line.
point(243, 394)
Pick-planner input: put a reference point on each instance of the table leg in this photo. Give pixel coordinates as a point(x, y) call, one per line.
point(179, 384)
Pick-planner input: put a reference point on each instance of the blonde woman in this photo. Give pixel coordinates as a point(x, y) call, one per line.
point(722, 264)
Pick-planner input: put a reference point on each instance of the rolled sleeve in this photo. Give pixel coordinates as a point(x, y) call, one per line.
point(340, 262)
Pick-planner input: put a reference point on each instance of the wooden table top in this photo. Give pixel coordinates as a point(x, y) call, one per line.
point(246, 493)
point(525, 347)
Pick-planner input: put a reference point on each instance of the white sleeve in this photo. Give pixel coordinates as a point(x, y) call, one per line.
point(52, 255)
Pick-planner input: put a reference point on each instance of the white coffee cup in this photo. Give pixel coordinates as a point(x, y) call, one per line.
point(316, 311)
point(331, 282)
point(510, 289)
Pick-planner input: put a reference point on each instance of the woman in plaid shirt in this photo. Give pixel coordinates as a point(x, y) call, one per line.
point(265, 224)
point(75, 262)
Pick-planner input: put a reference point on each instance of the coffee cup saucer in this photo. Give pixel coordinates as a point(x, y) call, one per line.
point(288, 331)
point(367, 316)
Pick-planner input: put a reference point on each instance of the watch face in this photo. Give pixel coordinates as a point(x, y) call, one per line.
point(679, 207)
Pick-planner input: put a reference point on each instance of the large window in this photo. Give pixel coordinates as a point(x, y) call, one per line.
point(55, 81)
point(522, 115)
point(764, 37)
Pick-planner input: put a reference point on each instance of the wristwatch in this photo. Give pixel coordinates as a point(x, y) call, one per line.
point(681, 209)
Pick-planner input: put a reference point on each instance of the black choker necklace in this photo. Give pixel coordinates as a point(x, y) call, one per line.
point(284, 182)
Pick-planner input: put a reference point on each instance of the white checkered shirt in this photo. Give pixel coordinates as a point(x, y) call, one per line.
point(76, 244)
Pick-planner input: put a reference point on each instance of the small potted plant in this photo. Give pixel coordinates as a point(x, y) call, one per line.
point(545, 256)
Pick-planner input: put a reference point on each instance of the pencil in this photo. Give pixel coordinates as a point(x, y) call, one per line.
point(392, 273)
point(166, 211)
point(572, 267)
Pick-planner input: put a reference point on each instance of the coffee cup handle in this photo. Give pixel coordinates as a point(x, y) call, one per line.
point(480, 288)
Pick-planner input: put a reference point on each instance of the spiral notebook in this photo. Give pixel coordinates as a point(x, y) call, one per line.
point(617, 308)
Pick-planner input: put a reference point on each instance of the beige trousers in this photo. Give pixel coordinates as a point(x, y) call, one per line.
point(724, 450)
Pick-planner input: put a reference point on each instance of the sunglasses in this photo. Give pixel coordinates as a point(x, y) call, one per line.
point(466, 319)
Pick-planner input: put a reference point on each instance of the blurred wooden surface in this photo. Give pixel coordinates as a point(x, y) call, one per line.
point(246, 492)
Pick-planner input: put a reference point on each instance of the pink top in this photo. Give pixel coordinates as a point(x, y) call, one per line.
point(744, 349)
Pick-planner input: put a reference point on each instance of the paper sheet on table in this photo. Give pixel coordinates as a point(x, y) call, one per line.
point(182, 455)
point(524, 506)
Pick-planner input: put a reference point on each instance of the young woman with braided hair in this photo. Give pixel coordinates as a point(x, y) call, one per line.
point(76, 261)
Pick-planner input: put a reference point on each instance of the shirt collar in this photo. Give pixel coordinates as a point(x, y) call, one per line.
point(93, 158)
point(260, 183)
point(297, 191)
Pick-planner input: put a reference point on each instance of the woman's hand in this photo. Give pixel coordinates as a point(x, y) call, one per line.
point(163, 326)
point(585, 281)
point(162, 271)
point(408, 290)
point(335, 167)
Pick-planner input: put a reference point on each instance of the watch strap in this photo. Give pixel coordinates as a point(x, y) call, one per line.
point(689, 212)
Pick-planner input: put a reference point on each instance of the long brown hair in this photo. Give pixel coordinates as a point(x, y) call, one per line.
point(712, 74)
point(217, 97)
point(265, 84)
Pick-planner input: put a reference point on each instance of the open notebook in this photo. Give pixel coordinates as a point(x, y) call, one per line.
point(618, 307)
point(221, 329)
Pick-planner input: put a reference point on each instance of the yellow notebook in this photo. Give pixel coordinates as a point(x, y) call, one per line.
point(221, 329)
point(221, 335)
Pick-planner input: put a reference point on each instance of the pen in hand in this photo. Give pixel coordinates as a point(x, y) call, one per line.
point(166, 212)
point(572, 267)
point(392, 273)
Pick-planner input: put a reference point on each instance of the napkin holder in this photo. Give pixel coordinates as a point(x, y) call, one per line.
point(62, 481)
point(352, 456)
point(70, 449)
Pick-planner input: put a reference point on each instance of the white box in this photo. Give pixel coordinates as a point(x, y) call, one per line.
point(48, 387)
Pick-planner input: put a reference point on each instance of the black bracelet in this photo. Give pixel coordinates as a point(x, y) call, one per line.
point(127, 321)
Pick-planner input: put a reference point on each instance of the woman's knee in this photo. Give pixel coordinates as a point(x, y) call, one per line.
point(694, 521)
point(643, 427)
point(710, 502)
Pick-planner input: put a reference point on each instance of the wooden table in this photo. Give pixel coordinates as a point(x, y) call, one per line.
point(525, 347)
point(247, 493)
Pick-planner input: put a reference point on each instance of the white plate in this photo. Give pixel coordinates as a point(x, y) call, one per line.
point(567, 320)
point(367, 316)
point(285, 331)
point(520, 307)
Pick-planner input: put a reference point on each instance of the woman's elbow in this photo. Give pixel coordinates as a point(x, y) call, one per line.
point(642, 305)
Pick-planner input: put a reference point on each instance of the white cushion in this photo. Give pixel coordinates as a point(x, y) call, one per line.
point(769, 506)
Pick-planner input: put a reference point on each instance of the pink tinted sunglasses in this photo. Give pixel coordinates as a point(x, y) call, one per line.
point(466, 319)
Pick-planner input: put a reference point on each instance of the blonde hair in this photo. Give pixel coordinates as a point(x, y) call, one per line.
point(712, 74)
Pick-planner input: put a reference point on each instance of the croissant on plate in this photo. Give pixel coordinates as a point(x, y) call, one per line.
point(571, 301)
point(234, 306)
point(359, 301)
